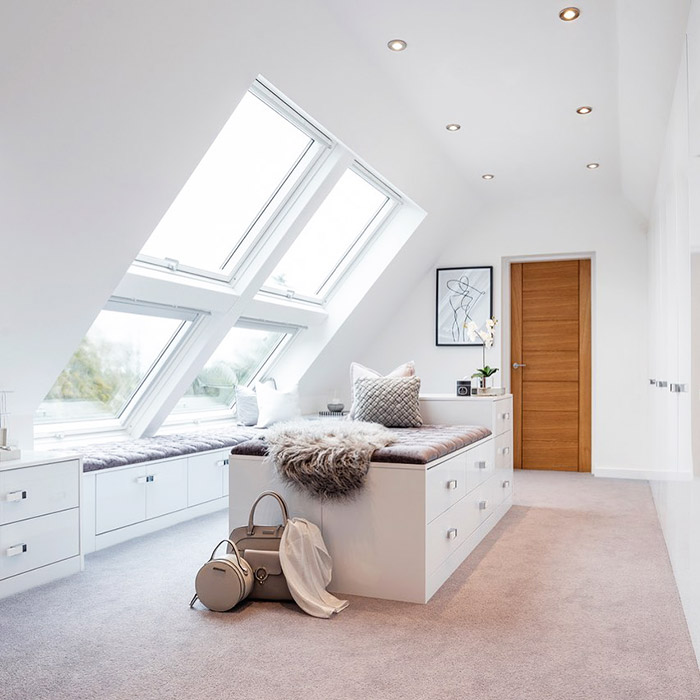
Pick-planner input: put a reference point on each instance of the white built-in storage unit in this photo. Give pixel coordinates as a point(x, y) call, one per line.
point(411, 525)
point(39, 521)
point(129, 501)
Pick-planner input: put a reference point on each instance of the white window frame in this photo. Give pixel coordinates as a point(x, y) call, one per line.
point(357, 249)
point(275, 207)
point(261, 374)
point(60, 430)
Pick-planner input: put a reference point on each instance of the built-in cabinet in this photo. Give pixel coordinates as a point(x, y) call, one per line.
point(39, 521)
point(126, 502)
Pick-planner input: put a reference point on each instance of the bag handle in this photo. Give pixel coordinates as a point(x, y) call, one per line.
point(282, 504)
point(241, 562)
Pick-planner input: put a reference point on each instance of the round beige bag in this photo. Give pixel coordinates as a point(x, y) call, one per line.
point(224, 581)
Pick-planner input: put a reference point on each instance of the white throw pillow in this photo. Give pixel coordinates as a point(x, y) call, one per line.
point(358, 371)
point(276, 406)
point(246, 405)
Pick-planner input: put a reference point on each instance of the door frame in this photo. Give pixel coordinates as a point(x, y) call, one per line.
point(505, 321)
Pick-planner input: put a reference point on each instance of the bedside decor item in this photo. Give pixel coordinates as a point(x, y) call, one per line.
point(335, 407)
point(463, 295)
point(486, 336)
point(224, 581)
point(464, 387)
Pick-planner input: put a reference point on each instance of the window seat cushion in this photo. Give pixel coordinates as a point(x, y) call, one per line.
point(119, 454)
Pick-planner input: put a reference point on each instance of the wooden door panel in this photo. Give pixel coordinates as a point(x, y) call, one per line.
point(561, 426)
point(560, 274)
point(549, 366)
point(550, 455)
point(551, 396)
point(545, 335)
point(544, 305)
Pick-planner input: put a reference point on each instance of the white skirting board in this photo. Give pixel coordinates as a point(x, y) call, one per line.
point(644, 474)
point(40, 576)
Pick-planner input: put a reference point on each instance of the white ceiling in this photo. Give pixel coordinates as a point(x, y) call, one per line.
point(512, 74)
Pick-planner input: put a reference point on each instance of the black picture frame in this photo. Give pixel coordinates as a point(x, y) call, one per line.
point(462, 294)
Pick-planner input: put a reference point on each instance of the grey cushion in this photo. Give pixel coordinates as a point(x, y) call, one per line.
point(391, 401)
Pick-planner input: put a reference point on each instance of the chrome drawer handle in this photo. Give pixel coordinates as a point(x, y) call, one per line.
point(505, 416)
point(505, 484)
point(222, 463)
point(505, 450)
point(146, 479)
point(15, 496)
point(16, 549)
point(452, 533)
point(452, 485)
point(483, 505)
point(481, 465)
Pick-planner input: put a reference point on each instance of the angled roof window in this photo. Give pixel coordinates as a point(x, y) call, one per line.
point(333, 238)
point(120, 351)
point(250, 171)
point(241, 358)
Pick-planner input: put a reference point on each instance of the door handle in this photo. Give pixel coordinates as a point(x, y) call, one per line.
point(516, 365)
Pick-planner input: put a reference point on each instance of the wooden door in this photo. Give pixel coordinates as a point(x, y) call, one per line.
point(551, 340)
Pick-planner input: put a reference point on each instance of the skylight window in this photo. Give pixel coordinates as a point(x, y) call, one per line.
point(341, 226)
point(254, 164)
point(112, 362)
point(240, 358)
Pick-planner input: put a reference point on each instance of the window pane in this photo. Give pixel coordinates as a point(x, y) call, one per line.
point(248, 161)
point(236, 361)
point(329, 236)
point(110, 364)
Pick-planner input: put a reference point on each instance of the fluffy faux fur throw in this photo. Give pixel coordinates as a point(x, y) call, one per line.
point(327, 459)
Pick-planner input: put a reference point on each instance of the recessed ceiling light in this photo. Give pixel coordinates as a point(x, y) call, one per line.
point(593, 166)
point(397, 44)
point(568, 14)
point(488, 176)
point(453, 127)
point(584, 110)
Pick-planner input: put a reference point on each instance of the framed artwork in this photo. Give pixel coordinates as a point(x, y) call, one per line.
point(463, 294)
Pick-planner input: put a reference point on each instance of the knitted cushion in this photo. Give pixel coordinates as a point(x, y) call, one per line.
point(391, 401)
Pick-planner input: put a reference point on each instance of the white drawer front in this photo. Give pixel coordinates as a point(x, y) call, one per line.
point(504, 451)
point(33, 543)
point(31, 491)
point(479, 464)
point(450, 530)
point(206, 475)
point(166, 489)
point(502, 416)
point(504, 479)
point(120, 498)
point(445, 485)
point(490, 496)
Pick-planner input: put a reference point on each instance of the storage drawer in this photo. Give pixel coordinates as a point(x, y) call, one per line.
point(504, 451)
point(30, 491)
point(479, 464)
point(166, 487)
point(490, 496)
point(120, 498)
point(502, 420)
point(206, 476)
point(450, 530)
point(445, 485)
point(37, 542)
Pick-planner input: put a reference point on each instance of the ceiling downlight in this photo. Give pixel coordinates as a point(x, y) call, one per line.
point(397, 45)
point(584, 110)
point(453, 127)
point(488, 176)
point(593, 166)
point(569, 14)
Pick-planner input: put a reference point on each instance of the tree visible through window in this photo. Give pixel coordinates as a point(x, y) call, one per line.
point(108, 367)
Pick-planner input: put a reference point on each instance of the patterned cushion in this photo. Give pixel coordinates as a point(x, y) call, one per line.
point(407, 369)
point(391, 401)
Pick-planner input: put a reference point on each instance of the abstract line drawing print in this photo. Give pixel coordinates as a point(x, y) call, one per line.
point(463, 294)
point(463, 299)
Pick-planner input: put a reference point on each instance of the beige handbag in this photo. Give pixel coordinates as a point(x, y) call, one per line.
point(260, 545)
point(224, 581)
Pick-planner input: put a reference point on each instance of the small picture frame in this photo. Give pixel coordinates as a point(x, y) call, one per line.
point(462, 294)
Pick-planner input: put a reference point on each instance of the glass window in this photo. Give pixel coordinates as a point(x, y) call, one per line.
point(238, 360)
point(256, 159)
point(111, 363)
point(334, 235)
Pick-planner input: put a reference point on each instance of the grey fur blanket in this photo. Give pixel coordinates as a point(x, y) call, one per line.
point(326, 459)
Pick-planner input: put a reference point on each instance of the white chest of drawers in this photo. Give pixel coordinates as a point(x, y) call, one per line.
point(39, 521)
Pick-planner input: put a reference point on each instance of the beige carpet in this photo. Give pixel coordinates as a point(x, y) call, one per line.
point(570, 597)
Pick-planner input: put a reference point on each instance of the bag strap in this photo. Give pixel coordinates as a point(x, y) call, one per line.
point(241, 562)
point(282, 504)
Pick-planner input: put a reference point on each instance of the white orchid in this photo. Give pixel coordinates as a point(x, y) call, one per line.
point(486, 335)
point(472, 330)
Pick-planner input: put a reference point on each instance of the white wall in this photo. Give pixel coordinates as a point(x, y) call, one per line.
point(604, 227)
